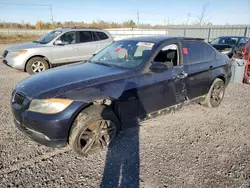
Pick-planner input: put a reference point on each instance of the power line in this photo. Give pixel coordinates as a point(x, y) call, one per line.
point(21, 4)
point(85, 8)
point(38, 5)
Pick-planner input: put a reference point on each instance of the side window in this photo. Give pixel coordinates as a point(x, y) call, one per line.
point(169, 53)
point(95, 36)
point(197, 52)
point(242, 41)
point(102, 35)
point(68, 38)
point(85, 36)
point(142, 50)
point(209, 52)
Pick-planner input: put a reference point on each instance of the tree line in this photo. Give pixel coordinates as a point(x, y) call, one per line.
point(96, 24)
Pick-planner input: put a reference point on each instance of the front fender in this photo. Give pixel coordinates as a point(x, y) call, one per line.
point(113, 90)
point(44, 52)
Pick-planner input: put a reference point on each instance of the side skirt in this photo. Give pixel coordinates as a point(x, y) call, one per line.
point(172, 108)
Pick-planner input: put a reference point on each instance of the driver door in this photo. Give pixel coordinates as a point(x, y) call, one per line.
point(159, 90)
point(67, 51)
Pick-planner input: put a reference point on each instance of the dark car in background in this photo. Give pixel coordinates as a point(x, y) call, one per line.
point(86, 104)
point(229, 44)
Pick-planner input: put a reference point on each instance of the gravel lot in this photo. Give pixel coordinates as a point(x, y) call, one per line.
point(194, 147)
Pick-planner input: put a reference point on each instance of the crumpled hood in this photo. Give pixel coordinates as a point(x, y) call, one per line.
point(63, 79)
point(27, 45)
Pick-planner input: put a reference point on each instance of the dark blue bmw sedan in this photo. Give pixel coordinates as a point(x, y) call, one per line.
point(86, 104)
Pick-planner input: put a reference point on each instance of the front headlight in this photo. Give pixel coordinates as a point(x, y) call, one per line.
point(49, 106)
point(17, 53)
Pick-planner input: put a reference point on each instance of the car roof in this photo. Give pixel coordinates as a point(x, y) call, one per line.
point(159, 39)
point(78, 29)
point(230, 36)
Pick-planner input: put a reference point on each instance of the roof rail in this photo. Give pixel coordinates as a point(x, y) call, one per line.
point(80, 27)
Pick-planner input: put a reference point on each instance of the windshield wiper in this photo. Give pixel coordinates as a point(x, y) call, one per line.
point(39, 42)
point(99, 63)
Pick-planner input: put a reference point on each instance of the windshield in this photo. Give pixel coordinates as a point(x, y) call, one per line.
point(225, 40)
point(48, 37)
point(125, 54)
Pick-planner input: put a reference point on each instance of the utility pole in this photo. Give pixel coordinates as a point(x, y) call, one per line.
point(168, 20)
point(189, 15)
point(51, 13)
point(138, 18)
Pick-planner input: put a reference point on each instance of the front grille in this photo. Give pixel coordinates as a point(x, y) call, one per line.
point(5, 53)
point(18, 99)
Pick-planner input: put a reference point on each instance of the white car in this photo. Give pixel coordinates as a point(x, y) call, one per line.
point(60, 46)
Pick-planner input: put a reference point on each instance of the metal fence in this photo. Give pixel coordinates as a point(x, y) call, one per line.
point(205, 32)
point(209, 33)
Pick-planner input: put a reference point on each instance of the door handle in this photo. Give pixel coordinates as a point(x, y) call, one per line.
point(75, 48)
point(182, 75)
point(211, 67)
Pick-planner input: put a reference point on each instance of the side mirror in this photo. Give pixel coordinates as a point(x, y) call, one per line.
point(160, 67)
point(58, 42)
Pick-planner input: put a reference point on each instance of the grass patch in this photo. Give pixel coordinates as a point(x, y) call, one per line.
point(17, 39)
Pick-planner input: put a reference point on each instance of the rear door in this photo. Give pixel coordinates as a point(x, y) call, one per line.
point(199, 62)
point(102, 40)
point(86, 46)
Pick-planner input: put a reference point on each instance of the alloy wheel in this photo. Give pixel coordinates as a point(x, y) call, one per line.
point(38, 66)
point(217, 93)
point(97, 136)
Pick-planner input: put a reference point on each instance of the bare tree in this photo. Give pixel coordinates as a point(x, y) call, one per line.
point(202, 18)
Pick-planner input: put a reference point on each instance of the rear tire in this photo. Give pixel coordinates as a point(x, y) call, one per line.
point(36, 65)
point(93, 130)
point(248, 80)
point(215, 94)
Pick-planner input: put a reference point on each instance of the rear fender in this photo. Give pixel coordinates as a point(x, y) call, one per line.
point(219, 73)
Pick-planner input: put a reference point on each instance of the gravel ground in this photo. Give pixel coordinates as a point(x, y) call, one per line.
point(194, 147)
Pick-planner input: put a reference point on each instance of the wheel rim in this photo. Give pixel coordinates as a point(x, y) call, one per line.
point(38, 66)
point(97, 136)
point(217, 93)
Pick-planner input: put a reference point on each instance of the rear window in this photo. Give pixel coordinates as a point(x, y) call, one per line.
point(197, 52)
point(102, 35)
point(85, 36)
point(95, 36)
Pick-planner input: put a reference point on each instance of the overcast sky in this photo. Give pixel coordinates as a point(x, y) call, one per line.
point(150, 11)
